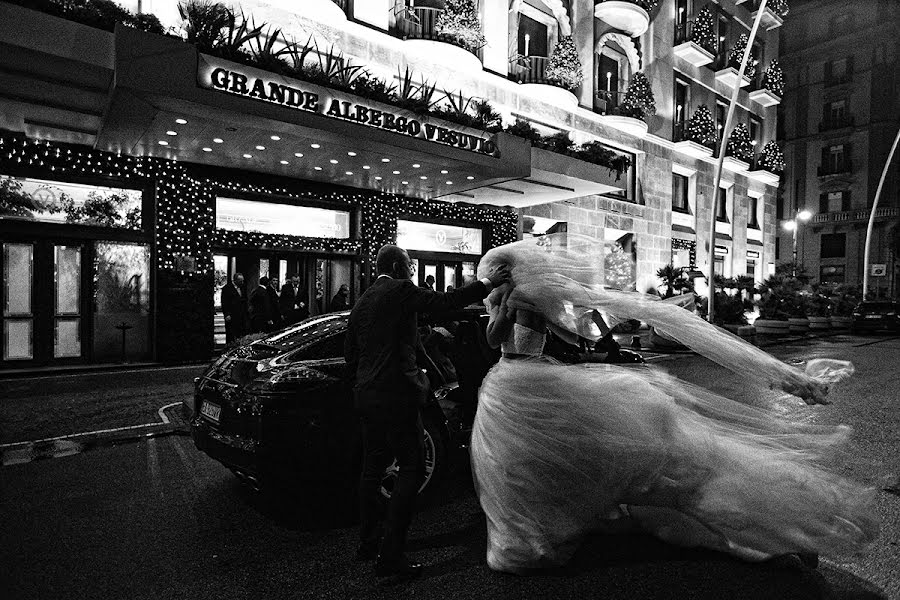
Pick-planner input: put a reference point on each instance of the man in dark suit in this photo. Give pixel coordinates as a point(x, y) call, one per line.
point(274, 303)
point(261, 318)
point(293, 301)
point(380, 349)
point(234, 307)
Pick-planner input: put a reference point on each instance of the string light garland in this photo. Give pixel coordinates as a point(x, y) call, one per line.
point(771, 158)
point(773, 79)
point(703, 34)
point(701, 128)
point(458, 24)
point(737, 54)
point(564, 67)
point(639, 102)
point(740, 145)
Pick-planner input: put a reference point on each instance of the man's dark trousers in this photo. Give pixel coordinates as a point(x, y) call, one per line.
point(392, 428)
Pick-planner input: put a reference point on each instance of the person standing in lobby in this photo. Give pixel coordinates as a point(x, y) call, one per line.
point(293, 301)
point(234, 307)
point(261, 318)
point(274, 303)
point(389, 388)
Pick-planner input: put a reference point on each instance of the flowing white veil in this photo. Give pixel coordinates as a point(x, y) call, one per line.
point(562, 274)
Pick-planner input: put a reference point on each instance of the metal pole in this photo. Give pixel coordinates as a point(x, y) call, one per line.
point(725, 136)
point(872, 215)
point(794, 262)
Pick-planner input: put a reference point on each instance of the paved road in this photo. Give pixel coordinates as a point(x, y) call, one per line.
point(156, 519)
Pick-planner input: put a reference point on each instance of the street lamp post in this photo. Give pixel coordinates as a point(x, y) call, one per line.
point(792, 226)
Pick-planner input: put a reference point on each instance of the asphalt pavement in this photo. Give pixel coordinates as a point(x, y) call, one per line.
point(148, 516)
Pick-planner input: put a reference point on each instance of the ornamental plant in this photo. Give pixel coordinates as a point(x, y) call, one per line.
point(771, 158)
point(701, 128)
point(674, 279)
point(458, 24)
point(739, 144)
point(773, 79)
point(564, 67)
point(638, 101)
point(779, 7)
point(737, 54)
point(703, 34)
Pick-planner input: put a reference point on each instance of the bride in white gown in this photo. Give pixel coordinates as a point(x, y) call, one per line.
point(562, 450)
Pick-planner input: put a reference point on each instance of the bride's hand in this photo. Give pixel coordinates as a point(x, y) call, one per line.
point(810, 390)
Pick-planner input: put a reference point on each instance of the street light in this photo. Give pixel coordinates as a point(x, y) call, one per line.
point(793, 225)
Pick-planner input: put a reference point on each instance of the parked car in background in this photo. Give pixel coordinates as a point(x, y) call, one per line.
point(278, 410)
point(876, 315)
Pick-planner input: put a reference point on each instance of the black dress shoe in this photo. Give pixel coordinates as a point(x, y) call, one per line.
point(398, 571)
point(367, 552)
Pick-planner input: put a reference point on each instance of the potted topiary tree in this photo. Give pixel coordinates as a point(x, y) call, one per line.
point(564, 67)
point(819, 307)
point(844, 298)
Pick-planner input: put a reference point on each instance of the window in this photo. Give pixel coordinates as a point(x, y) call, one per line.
point(835, 159)
point(532, 37)
point(435, 237)
point(681, 12)
point(723, 22)
point(682, 102)
point(680, 193)
point(286, 219)
point(777, 248)
point(839, 70)
point(831, 274)
point(719, 265)
point(834, 201)
point(721, 113)
point(834, 245)
point(753, 206)
point(722, 206)
point(837, 111)
point(608, 74)
point(755, 127)
point(751, 267)
point(613, 72)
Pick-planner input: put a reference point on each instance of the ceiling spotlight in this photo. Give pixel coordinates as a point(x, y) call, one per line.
point(351, 154)
point(416, 166)
point(366, 167)
point(170, 132)
point(248, 156)
point(444, 171)
point(405, 182)
point(396, 172)
point(163, 143)
point(298, 154)
point(181, 121)
point(377, 178)
point(217, 140)
point(333, 161)
point(348, 172)
point(207, 149)
point(470, 178)
point(449, 183)
point(385, 160)
point(284, 162)
point(422, 177)
point(317, 146)
point(260, 147)
point(317, 168)
point(274, 138)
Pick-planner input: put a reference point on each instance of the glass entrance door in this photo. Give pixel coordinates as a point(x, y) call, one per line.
point(446, 273)
point(43, 303)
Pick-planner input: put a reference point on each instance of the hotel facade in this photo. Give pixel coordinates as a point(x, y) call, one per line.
point(142, 164)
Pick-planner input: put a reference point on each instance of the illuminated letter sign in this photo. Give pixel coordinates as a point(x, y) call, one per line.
point(253, 83)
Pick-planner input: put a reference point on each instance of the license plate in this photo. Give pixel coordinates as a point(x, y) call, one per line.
point(873, 316)
point(211, 411)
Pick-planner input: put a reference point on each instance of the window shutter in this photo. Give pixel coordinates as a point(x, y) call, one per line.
point(823, 203)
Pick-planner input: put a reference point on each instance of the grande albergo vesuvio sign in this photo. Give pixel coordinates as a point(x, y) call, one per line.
point(253, 83)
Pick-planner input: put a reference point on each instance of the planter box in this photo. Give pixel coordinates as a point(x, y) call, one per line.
point(840, 322)
point(798, 325)
point(693, 53)
point(624, 16)
point(747, 332)
point(635, 127)
point(769, 19)
point(771, 327)
point(765, 98)
point(551, 94)
point(443, 53)
point(729, 76)
point(767, 177)
point(819, 323)
point(693, 149)
point(735, 165)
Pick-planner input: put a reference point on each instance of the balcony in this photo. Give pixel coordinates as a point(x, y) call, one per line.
point(844, 167)
point(837, 123)
point(531, 72)
point(760, 94)
point(689, 50)
point(764, 175)
point(859, 214)
point(419, 26)
point(609, 104)
point(685, 145)
point(629, 16)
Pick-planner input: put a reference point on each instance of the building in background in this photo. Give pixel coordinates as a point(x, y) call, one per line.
point(146, 170)
point(840, 115)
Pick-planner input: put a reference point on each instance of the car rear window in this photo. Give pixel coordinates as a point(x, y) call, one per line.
point(309, 334)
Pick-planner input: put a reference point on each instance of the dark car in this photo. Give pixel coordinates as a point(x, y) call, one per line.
point(279, 409)
point(876, 315)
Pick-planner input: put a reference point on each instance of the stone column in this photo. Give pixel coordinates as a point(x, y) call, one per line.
point(495, 24)
point(582, 20)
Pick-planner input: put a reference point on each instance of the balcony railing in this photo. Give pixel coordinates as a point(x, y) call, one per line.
point(837, 123)
point(419, 23)
point(845, 166)
point(859, 214)
point(608, 101)
point(529, 69)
